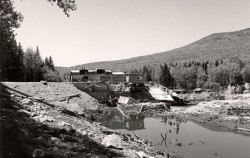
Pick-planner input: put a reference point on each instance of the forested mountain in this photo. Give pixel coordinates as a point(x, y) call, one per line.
point(214, 47)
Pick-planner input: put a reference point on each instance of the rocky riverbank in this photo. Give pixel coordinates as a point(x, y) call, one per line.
point(58, 120)
point(37, 120)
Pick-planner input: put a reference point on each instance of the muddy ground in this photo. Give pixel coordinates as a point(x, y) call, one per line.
point(58, 120)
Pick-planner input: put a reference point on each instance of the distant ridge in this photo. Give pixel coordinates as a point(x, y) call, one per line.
point(210, 48)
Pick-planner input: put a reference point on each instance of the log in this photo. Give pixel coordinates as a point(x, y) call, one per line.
point(65, 97)
point(92, 85)
point(162, 137)
point(121, 111)
point(141, 110)
point(138, 137)
point(26, 95)
point(107, 132)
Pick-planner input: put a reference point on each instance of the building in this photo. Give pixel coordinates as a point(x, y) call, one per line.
point(94, 75)
point(84, 75)
point(79, 75)
point(118, 77)
point(106, 78)
point(135, 78)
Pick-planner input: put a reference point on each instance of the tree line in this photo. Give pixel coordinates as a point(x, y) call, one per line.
point(15, 64)
point(196, 74)
point(27, 65)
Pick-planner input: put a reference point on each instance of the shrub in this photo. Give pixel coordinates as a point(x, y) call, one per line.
point(214, 87)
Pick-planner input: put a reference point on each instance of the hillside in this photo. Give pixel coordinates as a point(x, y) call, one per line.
point(215, 46)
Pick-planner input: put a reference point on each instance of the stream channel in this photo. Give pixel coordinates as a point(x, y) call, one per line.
point(181, 137)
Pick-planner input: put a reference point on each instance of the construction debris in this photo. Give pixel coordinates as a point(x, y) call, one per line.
point(126, 100)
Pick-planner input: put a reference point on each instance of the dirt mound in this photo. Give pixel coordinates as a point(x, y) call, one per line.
point(56, 93)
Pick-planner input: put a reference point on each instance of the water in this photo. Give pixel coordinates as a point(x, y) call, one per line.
point(182, 137)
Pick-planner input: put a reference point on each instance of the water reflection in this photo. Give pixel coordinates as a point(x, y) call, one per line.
point(114, 119)
point(181, 137)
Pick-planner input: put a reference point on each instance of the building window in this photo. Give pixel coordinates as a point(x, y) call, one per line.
point(139, 77)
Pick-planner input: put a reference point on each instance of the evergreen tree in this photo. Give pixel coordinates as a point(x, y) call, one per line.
point(246, 73)
point(38, 64)
point(9, 20)
point(235, 66)
point(29, 64)
point(51, 63)
point(46, 62)
point(165, 76)
point(148, 72)
point(10, 64)
point(49, 72)
point(20, 62)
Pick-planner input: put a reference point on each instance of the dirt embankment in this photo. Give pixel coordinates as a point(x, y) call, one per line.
point(53, 123)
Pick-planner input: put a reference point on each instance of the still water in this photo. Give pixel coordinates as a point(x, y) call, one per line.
point(182, 137)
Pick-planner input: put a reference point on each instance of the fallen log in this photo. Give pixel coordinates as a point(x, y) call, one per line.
point(162, 137)
point(121, 111)
point(65, 97)
point(92, 85)
point(27, 95)
point(141, 110)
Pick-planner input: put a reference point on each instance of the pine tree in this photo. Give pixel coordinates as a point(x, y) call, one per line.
point(20, 61)
point(51, 63)
point(11, 61)
point(46, 62)
point(165, 76)
point(38, 64)
point(148, 72)
point(49, 72)
point(9, 21)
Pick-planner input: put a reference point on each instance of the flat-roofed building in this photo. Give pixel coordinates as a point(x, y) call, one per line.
point(79, 75)
point(135, 78)
point(118, 77)
point(99, 75)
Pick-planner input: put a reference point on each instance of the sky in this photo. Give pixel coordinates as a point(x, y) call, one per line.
point(103, 30)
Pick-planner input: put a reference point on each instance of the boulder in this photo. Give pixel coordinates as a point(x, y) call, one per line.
point(247, 86)
point(74, 107)
point(112, 140)
point(141, 154)
point(44, 82)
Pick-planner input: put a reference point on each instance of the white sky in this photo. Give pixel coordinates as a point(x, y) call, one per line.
point(101, 30)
